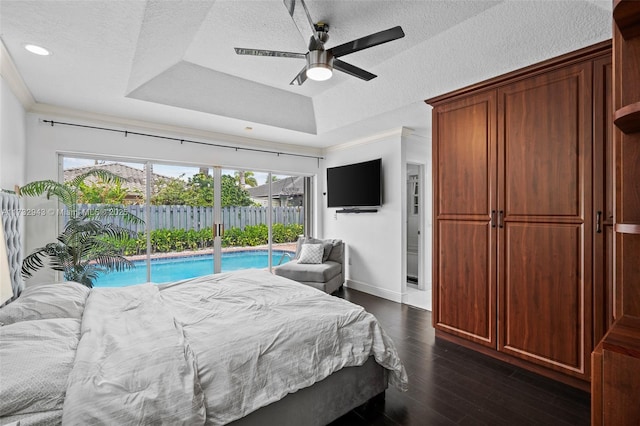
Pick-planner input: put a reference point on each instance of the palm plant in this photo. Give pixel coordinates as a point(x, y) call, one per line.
point(86, 247)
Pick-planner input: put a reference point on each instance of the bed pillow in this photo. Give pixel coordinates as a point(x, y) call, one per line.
point(311, 253)
point(36, 358)
point(44, 301)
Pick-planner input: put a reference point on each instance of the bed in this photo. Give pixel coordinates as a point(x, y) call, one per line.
point(239, 348)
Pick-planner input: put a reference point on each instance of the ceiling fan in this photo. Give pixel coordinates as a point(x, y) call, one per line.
point(321, 61)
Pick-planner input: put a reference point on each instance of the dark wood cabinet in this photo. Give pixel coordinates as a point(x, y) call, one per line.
point(544, 281)
point(515, 214)
point(466, 253)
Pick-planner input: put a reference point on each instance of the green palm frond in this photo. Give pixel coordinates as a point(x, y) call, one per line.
point(85, 248)
point(84, 274)
point(113, 262)
point(66, 194)
point(57, 253)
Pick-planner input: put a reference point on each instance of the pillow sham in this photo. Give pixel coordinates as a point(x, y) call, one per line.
point(311, 254)
point(44, 301)
point(36, 358)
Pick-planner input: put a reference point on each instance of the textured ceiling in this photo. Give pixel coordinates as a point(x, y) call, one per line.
point(173, 62)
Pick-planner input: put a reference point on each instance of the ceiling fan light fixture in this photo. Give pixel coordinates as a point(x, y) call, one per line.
point(321, 62)
point(319, 65)
point(319, 72)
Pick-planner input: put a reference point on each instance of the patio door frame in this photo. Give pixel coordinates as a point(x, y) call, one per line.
point(218, 225)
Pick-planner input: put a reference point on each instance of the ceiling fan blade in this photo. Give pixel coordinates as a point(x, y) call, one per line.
point(300, 78)
point(368, 41)
point(260, 52)
point(303, 21)
point(353, 70)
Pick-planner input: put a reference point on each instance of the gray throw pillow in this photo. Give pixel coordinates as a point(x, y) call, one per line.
point(326, 246)
point(311, 254)
point(336, 251)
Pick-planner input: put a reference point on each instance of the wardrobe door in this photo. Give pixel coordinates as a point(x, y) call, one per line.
point(464, 273)
point(605, 310)
point(545, 235)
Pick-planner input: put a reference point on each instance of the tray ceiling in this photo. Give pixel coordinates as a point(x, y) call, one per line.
point(173, 62)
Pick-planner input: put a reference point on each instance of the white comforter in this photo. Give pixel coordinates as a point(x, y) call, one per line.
point(213, 349)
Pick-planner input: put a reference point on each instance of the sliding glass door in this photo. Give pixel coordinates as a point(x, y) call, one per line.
point(287, 195)
point(180, 220)
point(194, 221)
point(258, 212)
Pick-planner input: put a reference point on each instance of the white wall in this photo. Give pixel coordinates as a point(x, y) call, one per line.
point(45, 142)
point(374, 240)
point(13, 141)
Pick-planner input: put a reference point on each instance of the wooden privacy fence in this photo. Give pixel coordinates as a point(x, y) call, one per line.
point(188, 217)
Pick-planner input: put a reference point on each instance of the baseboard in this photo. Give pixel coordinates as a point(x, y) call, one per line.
point(394, 296)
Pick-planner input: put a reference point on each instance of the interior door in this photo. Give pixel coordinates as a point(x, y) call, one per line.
point(464, 272)
point(604, 301)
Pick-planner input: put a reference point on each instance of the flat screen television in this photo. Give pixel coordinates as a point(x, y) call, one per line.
point(355, 185)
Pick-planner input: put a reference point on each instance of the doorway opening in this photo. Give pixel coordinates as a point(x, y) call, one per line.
point(414, 212)
point(417, 294)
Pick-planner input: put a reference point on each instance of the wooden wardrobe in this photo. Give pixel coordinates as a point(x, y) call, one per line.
point(523, 212)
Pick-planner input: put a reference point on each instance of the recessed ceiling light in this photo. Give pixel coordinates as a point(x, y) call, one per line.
point(38, 50)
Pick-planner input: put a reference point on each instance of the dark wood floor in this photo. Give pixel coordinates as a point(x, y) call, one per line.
point(451, 385)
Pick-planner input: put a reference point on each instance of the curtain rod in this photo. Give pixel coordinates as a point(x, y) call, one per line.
point(237, 148)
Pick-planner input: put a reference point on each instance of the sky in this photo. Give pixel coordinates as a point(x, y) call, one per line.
point(163, 169)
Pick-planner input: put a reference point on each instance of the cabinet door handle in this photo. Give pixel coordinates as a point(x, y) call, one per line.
point(493, 218)
point(501, 219)
point(598, 221)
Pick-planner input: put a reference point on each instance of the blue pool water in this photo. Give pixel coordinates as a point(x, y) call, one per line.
point(180, 268)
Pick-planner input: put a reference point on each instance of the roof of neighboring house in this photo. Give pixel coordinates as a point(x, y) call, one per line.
point(293, 185)
point(134, 178)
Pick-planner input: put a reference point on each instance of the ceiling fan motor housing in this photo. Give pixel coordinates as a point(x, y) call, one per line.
point(319, 59)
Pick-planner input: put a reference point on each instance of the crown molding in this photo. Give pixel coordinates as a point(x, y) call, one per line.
point(175, 131)
point(399, 132)
point(13, 78)
point(407, 131)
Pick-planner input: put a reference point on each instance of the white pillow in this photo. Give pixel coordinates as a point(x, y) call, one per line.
point(36, 358)
point(44, 301)
point(311, 253)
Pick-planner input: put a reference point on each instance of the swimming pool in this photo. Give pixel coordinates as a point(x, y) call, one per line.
point(180, 268)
